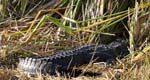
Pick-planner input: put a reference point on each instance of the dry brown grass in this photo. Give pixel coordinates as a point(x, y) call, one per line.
point(22, 37)
point(124, 72)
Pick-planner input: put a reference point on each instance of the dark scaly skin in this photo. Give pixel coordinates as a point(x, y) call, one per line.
point(63, 61)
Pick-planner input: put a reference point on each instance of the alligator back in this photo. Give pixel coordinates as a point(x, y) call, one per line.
point(66, 60)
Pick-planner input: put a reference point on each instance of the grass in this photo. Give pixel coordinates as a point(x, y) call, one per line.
point(32, 29)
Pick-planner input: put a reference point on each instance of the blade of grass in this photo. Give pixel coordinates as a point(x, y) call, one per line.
point(23, 6)
point(57, 22)
point(29, 35)
point(109, 25)
point(3, 3)
point(101, 22)
point(77, 7)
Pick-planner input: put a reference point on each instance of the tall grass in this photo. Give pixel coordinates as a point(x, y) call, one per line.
point(33, 27)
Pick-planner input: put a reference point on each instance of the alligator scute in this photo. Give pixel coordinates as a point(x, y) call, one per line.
point(63, 61)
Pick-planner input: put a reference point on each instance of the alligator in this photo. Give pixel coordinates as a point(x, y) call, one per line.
point(66, 60)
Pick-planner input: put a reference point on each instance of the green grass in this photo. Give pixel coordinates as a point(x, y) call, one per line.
point(30, 29)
